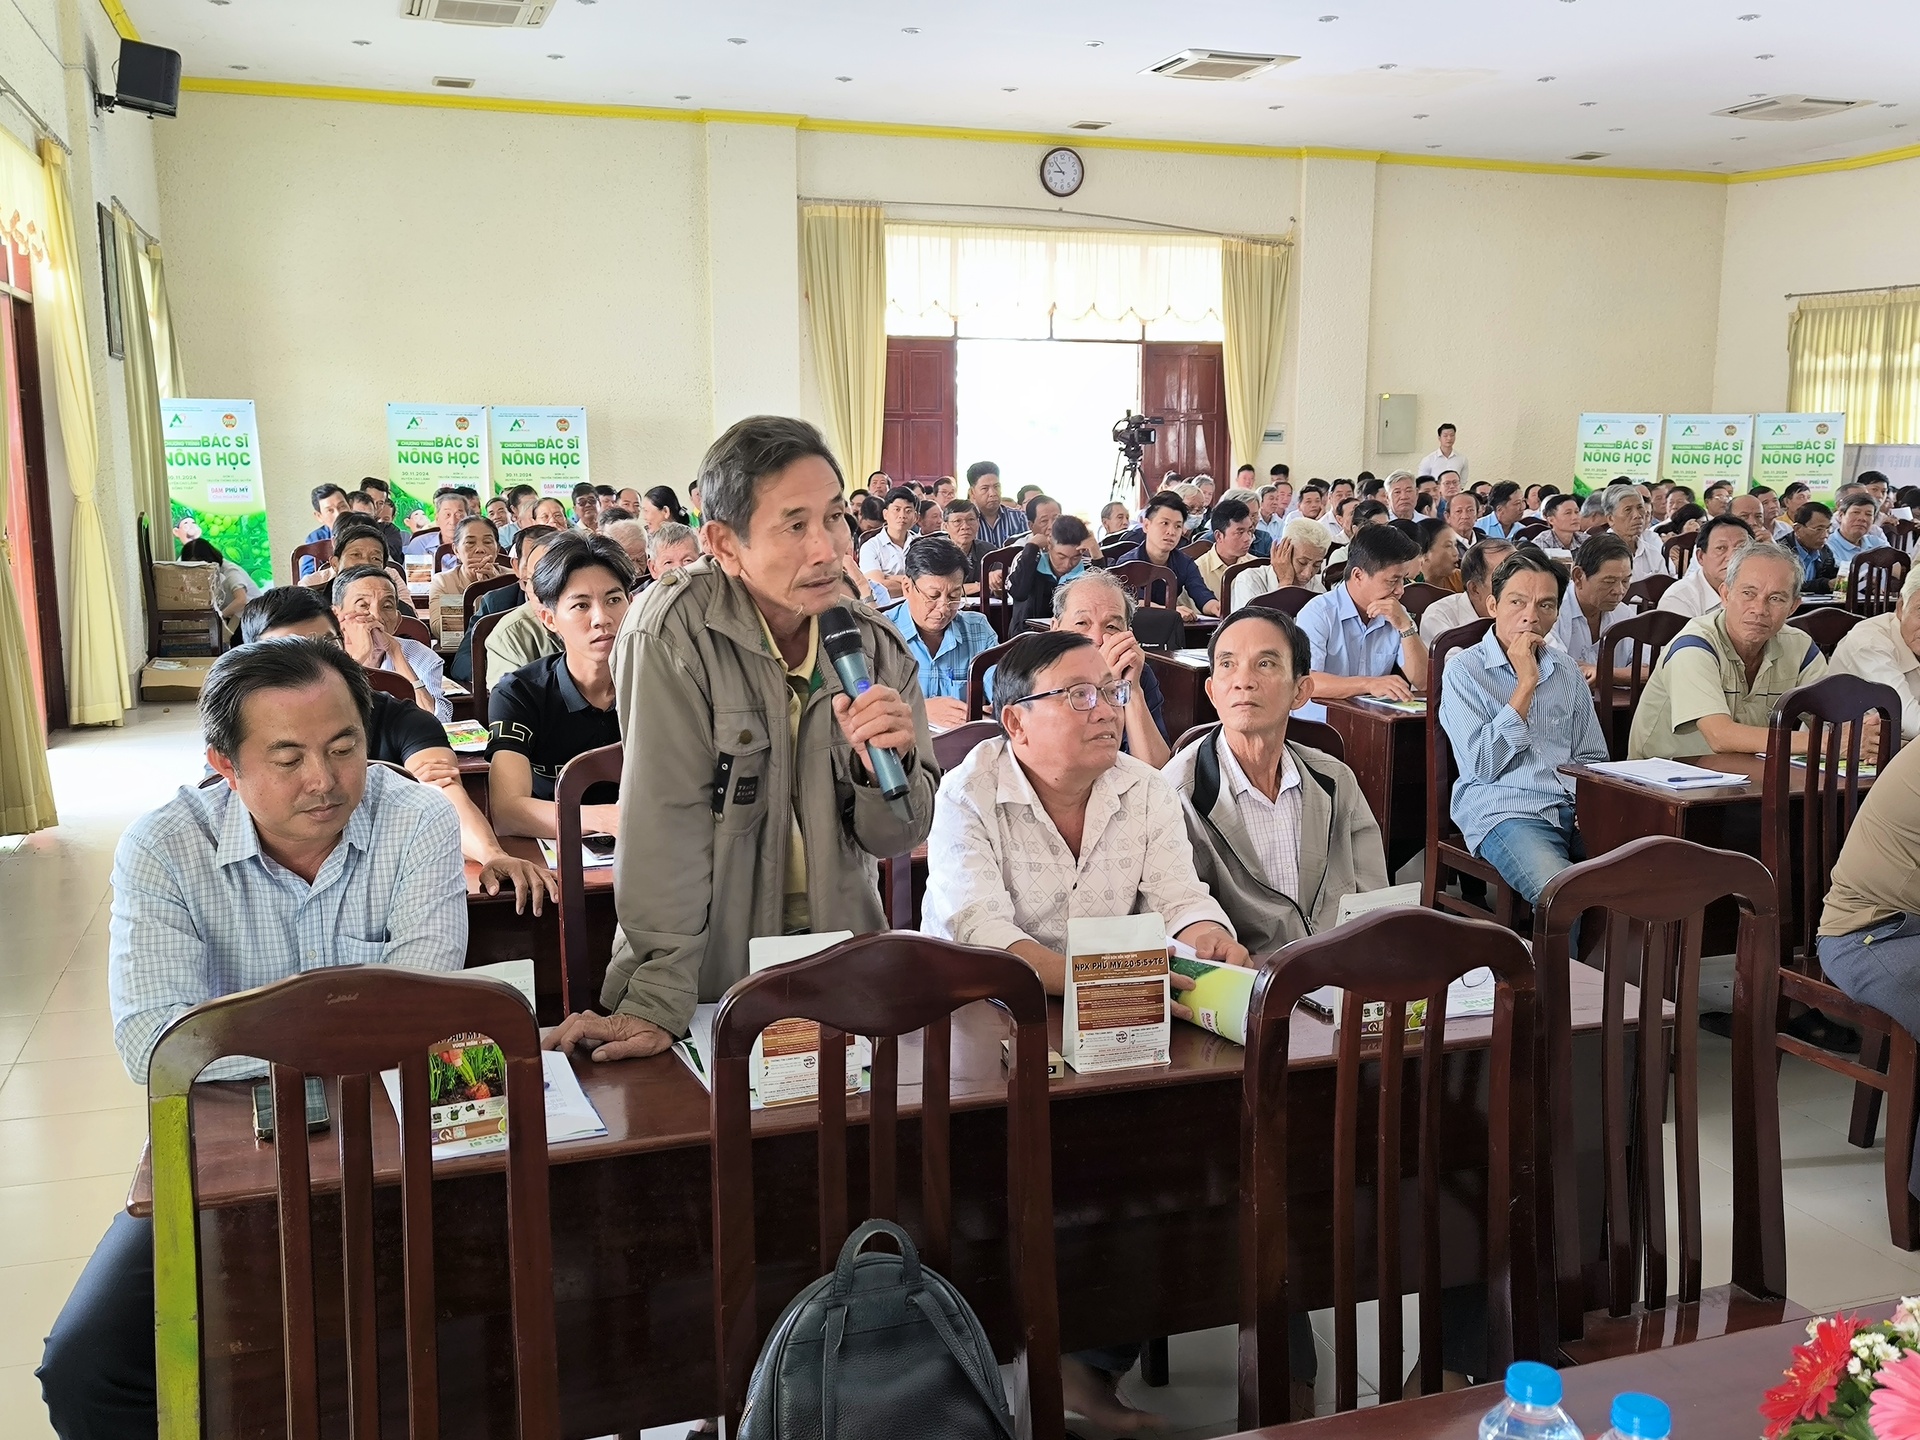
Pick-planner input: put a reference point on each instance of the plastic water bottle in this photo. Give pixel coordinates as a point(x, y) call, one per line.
point(1531, 1410)
point(1639, 1417)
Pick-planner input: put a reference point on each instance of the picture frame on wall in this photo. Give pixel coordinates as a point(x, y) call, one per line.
point(110, 283)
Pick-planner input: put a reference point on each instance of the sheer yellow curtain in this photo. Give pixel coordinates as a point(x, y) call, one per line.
point(170, 369)
point(26, 789)
point(1900, 372)
point(1835, 348)
point(143, 390)
point(1253, 297)
point(845, 252)
point(97, 683)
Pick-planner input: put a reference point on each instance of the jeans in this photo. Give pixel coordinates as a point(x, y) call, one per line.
point(1880, 966)
point(1529, 853)
point(97, 1373)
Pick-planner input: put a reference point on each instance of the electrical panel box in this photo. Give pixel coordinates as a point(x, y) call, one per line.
point(1395, 433)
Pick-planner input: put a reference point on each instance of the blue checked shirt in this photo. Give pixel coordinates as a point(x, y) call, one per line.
point(1344, 643)
point(1011, 525)
point(199, 911)
point(943, 676)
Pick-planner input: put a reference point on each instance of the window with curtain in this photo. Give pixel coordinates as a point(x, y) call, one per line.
point(1859, 353)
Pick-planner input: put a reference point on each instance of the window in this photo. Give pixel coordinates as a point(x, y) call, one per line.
point(1859, 353)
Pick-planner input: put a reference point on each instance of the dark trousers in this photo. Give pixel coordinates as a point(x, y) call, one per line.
point(97, 1374)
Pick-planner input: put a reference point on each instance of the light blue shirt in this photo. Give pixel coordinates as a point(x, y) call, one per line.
point(430, 670)
point(1844, 550)
point(1578, 639)
point(1488, 525)
point(1344, 643)
point(200, 911)
point(943, 673)
point(1509, 767)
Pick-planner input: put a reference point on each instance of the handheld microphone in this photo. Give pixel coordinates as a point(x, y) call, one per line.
point(840, 638)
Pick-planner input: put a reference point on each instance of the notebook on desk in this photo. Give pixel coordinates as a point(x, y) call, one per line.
point(1672, 775)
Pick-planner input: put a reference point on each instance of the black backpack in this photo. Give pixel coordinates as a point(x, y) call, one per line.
point(878, 1349)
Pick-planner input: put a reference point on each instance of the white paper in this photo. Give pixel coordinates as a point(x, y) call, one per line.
point(1111, 1045)
point(1470, 995)
point(1312, 710)
point(517, 973)
point(570, 1115)
point(1365, 902)
point(1668, 774)
point(550, 852)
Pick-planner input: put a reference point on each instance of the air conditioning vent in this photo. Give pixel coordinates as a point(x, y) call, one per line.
point(1790, 107)
point(1217, 65)
point(454, 82)
point(495, 14)
point(1089, 124)
point(1591, 155)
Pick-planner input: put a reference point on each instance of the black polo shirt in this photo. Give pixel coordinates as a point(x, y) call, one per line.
point(400, 729)
point(537, 711)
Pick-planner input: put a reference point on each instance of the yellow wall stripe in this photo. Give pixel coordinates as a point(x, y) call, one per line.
point(122, 22)
point(454, 100)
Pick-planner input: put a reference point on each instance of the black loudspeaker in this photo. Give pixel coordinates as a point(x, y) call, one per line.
point(148, 79)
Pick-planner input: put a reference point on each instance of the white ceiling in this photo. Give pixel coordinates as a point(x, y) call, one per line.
point(1634, 78)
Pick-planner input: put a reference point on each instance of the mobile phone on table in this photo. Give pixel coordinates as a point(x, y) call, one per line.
point(318, 1117)
point(598, 844)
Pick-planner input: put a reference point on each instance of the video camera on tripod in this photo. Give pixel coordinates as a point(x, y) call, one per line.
point(1134, 433)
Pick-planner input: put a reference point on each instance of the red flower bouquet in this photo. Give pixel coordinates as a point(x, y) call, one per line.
point(1852, 1380)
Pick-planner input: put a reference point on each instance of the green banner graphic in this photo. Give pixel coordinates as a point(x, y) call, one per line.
point(1701, 449)
point(1809, 448)
point(215, 482)
point(540, 445)
point(429, 446)
point(1614, 447)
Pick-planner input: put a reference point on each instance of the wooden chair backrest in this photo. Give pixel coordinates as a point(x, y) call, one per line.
point(1397, 956)
point(1827, 624)
point(580, 972)
point(954, 745)
point(1313, 734)
point(351, 1022)
point(320, 550)
point(1143, 580)
point(442, 553)
point(1646, 593)
point(1290, 598)
point(1334, 574)
point(977, 668)
point(1231, 577)
point(413, 628)
point(1527, 530)
point(1900, 533)
point(1650, 631)
point(391, 683)
point(1645, 905)
point(884, 986)
point(1830, 798)
point(475, 591)
point(1418, 597)
point(1118, 545)
point(998, 608)
point(1441, 770)
point(1196, 549)
point(1874, 580)
point(477, 649)
point(1677, 552)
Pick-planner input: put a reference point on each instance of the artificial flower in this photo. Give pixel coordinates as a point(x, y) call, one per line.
point(1896, 1400)
point(1813, 1379)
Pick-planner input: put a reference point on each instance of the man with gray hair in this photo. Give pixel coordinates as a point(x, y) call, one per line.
point(366, 602)
point(1402, 494)
point(1721, 676)
point(1296, 559)
point(672, 547)
point(1626, 511)
point(630, 536)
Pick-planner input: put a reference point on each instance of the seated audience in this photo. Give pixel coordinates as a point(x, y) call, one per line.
point(356, 542)
point(1164, 526)
point(1475, 600)
point(1748, 510)
point(1051, 556)
point(883, 558)
point(1515, 710)
point(1721, 676)
point(1812, 527)
point(1886, 650)
point(551, 512)
point(629, 534)
point(800, 819)
point(381, 494)
point(522, 637)
point(1853, 529)
point(1295, 560)
point(962, 524)
point(1000, 525)
point(1714, 498)
point(1114, 519)
point(1681, 520)
point(1280, 831)
point(543, 714)
point(366, 601)
point(1359, 516)
point(1359, 630)
point(1312, 504)
point(1042, 510)
point(1625, 509)
point(1234, 532)
point(1439, 563)
point(232, 586)
point(237, 885)
point(586, 508)
point(671, 547)
point(660, 506)
point(1503, 517)
point(497, 601)
point(449, 509)
point(329, 504)
point(1462, 517)
point(405, 735)
point(476, 552)
point(1595, 600)
point(942, 637)
point(1698, 591)
point(1564, 530)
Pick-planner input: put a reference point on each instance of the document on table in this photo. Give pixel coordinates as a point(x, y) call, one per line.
point(1672, 775)
point(570, 1115)
point(589, 859)
point(1399, 707)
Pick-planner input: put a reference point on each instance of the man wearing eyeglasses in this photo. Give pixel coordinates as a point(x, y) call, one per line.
point(941, 636)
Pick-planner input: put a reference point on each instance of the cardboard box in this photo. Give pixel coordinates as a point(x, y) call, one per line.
point(183, 585)
point(175, 679)
point(1118, 1011)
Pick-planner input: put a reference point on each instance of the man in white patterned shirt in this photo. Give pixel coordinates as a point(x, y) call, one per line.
point(305, 858)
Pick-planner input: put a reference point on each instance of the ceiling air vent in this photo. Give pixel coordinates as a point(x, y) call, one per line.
point(1790, 107)
point(1217, 65)
point(496, 14)
point(1089, 124)
point(454, 82)
point(1591, 155)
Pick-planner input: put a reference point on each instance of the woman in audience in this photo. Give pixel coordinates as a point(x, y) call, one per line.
point(1439, 555)
point(1683, 520)
point(232, 586)
point(1886, 650)
point(359, 545)
point(551, 511)
point(660, 506)
point(476, 549)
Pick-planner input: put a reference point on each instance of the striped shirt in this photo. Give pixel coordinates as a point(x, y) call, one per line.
point(200, 911)
point(1011, 525)
point(1272, 825)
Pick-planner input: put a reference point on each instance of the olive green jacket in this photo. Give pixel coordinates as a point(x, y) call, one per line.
point(709, 787)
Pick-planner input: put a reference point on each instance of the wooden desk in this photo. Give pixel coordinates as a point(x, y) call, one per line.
point(1183, 692)
point(1146, 1207)
point(495, 932)
point(474, 773)
point(1387, 752)
point(1712, 1386)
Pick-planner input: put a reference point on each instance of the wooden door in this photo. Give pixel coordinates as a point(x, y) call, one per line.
point(921, 419)
point(1185, 386)
point(23, 466)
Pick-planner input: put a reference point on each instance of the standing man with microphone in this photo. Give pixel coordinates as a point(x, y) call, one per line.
point(776, 744)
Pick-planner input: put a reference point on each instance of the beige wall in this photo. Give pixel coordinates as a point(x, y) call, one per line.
point(1844, 230)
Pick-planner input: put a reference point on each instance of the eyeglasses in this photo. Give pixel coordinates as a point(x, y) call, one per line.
point(1086, 696)
point(940, 597)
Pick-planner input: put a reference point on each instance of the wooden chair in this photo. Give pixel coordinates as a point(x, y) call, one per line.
point(998, 609)
point(1650, 631)
point(1446, 850)
point(176, 632)
point(391, 683)
point(1874, 580)
point(1231, 577)
point(1397, 956)
point(1529, 530)
point(1646, 593)
point(413, 629)
point(1677, 552)
point(483, 627)
point(1290, 598)
point(1117, 546)
point(1827, 624)
point(885, 986)
point(351, 1023)
point(1144, 580)
point(1418, 597)
point(1645, 914)
point(1801, 852)
point(320, 551)
point(1313, 734)
point(956, 744)
point(977, 670)
point(474, 593)
point(441, 555)
point(580, 971)
point(1333, 574)
point(1196, 549)
point(903, 883)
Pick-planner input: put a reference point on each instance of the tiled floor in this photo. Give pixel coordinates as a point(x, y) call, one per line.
point(71, 1124)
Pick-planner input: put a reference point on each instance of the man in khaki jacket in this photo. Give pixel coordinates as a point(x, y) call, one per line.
point(748, 808)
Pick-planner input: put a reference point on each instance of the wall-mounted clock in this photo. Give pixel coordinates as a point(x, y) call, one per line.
point(1061, 171)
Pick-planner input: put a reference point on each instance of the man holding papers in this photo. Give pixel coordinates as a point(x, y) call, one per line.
point(1514, 711)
